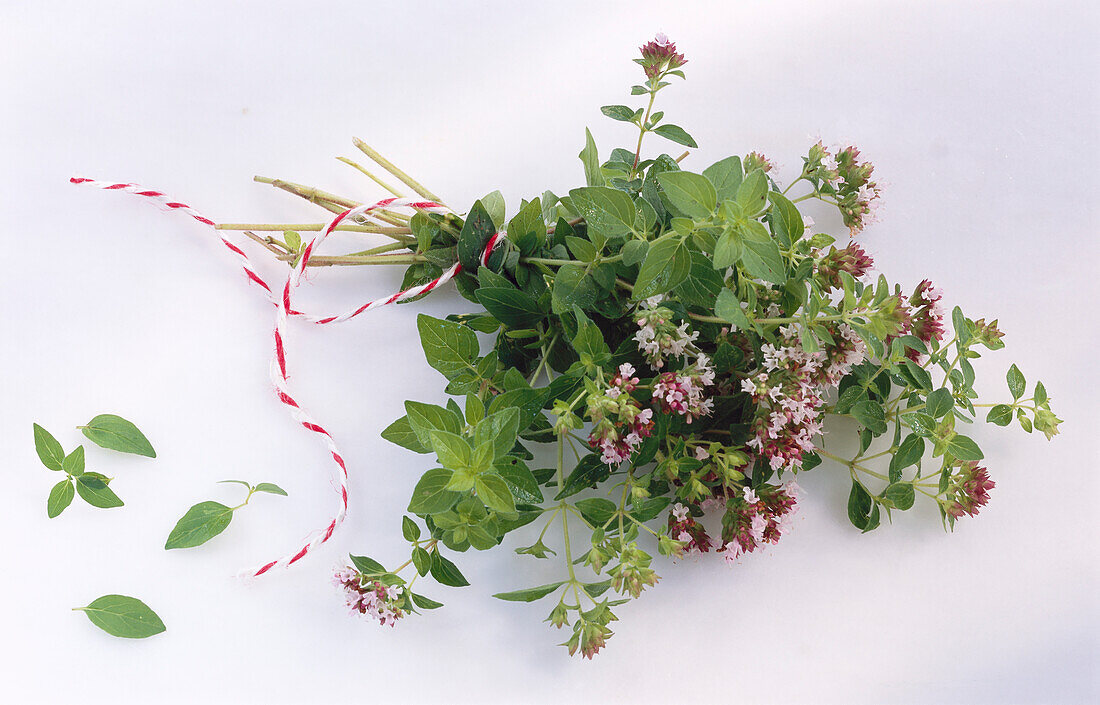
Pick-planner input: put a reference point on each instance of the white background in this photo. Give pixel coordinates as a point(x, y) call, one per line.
point(981, 118)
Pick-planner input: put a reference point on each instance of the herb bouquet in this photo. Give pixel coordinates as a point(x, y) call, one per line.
point(678, 339)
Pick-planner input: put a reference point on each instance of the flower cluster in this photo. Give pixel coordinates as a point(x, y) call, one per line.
point(658, 337)
point(925, 315)
point(682, 392)
point(684, 528)
point(757, 517)
point(969, 490)
point(839, 173)
point(659, 56)
point(789, 393)
point(619, 423)
point(369, 597)
point(852, 259)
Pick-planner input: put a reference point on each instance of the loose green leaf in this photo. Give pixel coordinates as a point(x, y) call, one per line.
point(123, 616)
point(116, 433)
point(597, 510)
point(49, 450)
point(529, 594)
point(201, 523)
point(61, 496)
point(94, 490)
point(401, 432)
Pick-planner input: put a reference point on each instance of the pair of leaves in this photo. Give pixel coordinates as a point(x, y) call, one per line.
point(206, 520)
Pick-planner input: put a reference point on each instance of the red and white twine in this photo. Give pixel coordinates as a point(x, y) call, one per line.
point(283, 312)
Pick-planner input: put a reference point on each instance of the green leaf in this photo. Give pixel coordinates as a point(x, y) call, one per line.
point(666, 266)
point(512, 307)
point(761, 259)
point(909, 453)
point(447, 573)
point(690, 194)
point(1017, 385)
point(501, 428)
point(728, 308)
point(430, 495)
point(871, 415)
point(116, 433)
point(422, 561)
point(752, 193)
point(409, 529)
point(401, 432)
point(527, 229)
point(529, 594)
point(728, 249)
point(580, 248)
point(49, 450)
point(454, 451)
point(123, 616)
point(573, 287)
point(922, 424)
point(1001, 414)
point(95, 492)
point(201, 523)
point(73, 464)
point(425, 418)
point(1040, 394)
point(859, 504)
point(590, 471)
point(676, 134)
point(590, 158)
point(448, 346)
point(597, 510)
point(785, 219)
point(368, 566)
point(618, 112)
point(939, 403)
point(494, 206)
point(270, 488)
point(634, 252)
point(493, 490)
point(425, 603)
point(726, 176)
point(703, 284)
point(901, 495)
point(606, 211)
point(292, 239)
point(476, 231)
point(961, 326)
point(521, 481)
point(964, 448)
point(61, 496)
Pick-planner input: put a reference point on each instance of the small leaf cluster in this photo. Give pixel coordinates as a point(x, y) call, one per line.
point(107, 431)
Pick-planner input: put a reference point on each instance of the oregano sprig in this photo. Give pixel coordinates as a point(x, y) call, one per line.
point(206, 520)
